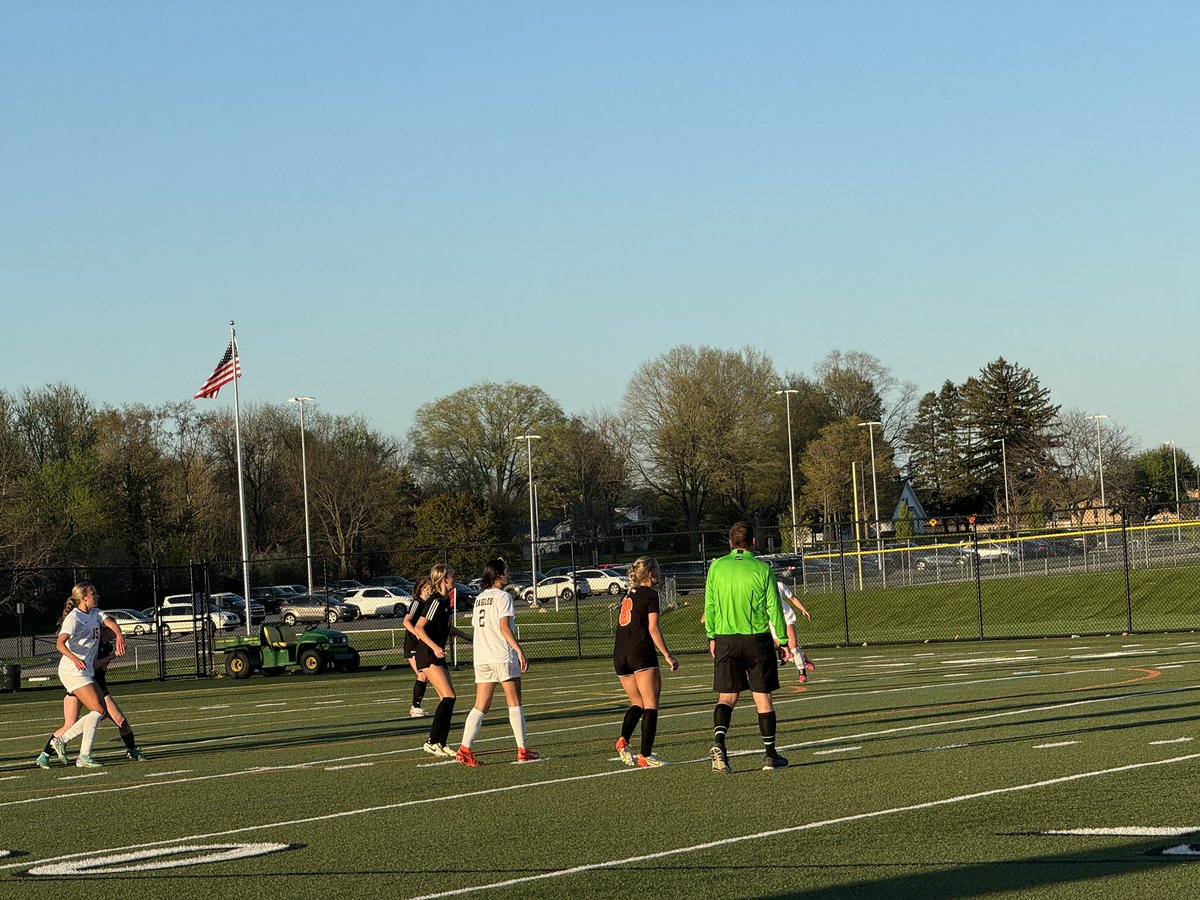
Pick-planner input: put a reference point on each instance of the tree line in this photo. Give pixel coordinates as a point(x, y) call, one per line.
point(700, 438)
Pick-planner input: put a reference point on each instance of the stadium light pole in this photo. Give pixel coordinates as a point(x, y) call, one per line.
point(1178, 510)
point(1004, 463)
point(1100, 465)
point(304, 478)
point(787, 399)
point(529, 439)
point(870, 426)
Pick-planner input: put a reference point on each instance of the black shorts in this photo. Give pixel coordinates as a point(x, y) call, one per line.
point(410, 646)
point(425, 657)
point(627, 660)
point(745, 662)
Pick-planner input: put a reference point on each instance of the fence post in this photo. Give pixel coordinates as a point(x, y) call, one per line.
point(575, 584)
point(978, 577)
point(1125, 555)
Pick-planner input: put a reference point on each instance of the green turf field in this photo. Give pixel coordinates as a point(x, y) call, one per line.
point(1037, 768)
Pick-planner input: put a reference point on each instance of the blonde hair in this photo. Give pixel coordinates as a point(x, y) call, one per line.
point(77, 594)
point(641, 567)
point(440, 573)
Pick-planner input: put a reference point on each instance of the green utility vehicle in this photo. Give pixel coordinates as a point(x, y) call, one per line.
point(276, 647)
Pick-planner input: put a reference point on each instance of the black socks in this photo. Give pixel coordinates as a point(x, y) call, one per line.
point(439, 732)
point(632, 715)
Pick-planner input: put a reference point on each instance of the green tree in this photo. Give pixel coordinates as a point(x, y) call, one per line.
point(456, 528)
point(1153, 487)
point(587, 469)
point(466, 441)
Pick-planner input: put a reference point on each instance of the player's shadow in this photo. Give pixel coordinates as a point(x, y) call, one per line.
point(1050, 875)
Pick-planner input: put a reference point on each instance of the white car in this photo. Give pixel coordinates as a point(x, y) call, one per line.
point(179, 615)
point(560, 586)
point(132, 621)
point(378, 601)
point(603, 581)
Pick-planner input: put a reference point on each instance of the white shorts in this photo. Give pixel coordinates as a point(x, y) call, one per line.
point(494, 673)
point(72, 678)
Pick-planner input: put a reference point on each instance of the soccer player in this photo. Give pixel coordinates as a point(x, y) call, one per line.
point(636, 661)
point(433, 629)
point(78, 641)
point(799, 657)
point(420, 593)
point(741, 603)
point(499, 660)
point(72, 707)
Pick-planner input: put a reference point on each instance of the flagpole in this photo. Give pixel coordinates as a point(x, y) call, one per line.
point(237, 435)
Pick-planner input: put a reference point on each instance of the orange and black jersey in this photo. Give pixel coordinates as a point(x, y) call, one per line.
point(633, 619)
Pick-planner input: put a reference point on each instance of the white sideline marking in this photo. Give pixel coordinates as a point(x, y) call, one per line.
point(1181, 740)
point(957, 675)
point(361, 765)
point(1128, 831)
point(440, 762)
point(1114, 654)
point(1051, 746)
point(11, 777)
point(809, 826)
point(326, 702)
point(165, 774)
point(946, 747)
point(222, 706)
point(139, 861)
point(272, 703)
point(85, 775)
point(836, 750)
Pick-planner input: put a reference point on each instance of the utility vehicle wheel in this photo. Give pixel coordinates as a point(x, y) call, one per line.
point(312, 662)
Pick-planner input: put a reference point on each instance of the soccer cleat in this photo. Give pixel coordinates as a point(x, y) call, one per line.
point(649, 762)
point(466, 757)
point(802, 677)
point(808, 663)
point(135, 754)
point(623, 751)
point(774, 761)
point(433, 749)
point(443, 750)
point(415, 712)
point(43, 760)
point(83, 761)
point(60, 748)
point(524, 754)
point(720, 759)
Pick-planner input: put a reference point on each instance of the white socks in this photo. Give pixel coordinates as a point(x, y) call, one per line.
point(516, 718)
point(87, 727)
point(471, 727)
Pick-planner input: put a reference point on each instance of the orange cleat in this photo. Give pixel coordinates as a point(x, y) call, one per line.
point(466, 757)
point(524, 754)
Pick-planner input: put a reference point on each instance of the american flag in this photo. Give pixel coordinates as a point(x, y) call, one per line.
point(222, 374)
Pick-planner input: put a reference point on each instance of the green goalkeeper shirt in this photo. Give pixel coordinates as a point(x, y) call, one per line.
point(741, 596)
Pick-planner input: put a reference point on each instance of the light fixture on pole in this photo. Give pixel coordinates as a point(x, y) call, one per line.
point(787, 399)
point(870, 426)
point(529, 439)
point(1100, 466)
point(304, 478)
point(1178, 510)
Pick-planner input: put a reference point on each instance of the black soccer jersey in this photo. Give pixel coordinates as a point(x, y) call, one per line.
point(633, 619)
point(436, 612)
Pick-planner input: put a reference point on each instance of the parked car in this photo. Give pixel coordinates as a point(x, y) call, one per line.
point(991, 551)
point(235, 604)
point(392, 581)
point(378, 601)
point(689, 576)
point(556, 586)
point(132, 621)
point(181, 613)
point(271, 597)
point(317, 608)
point(600, 581)
point(949, 558)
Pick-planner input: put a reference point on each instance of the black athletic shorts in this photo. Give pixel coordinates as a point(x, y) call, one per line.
point(427, 658)
point(627, 660)
point(410, 646)
point(745, 662)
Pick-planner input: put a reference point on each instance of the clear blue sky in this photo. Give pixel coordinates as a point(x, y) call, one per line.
point(396, 200)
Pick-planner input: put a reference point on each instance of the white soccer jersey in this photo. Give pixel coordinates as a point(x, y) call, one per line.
point(83, 630)
point(490, 646)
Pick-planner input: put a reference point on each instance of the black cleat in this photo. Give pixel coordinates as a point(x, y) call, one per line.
point(774, 761)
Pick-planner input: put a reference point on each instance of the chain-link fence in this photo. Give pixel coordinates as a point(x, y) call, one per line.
point(967, 580)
